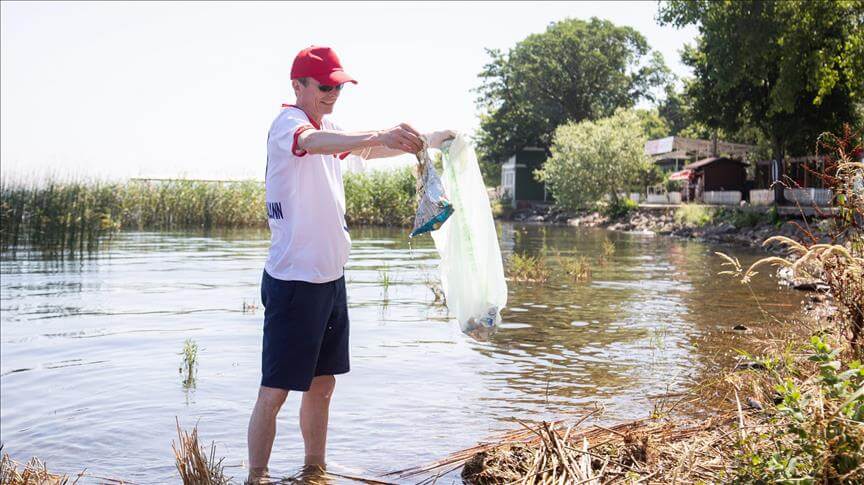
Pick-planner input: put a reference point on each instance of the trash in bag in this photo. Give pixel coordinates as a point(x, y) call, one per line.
point(433, 208)
point(472, 271)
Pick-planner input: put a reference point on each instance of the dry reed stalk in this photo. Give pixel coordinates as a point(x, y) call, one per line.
point(35, 472)
point(196, 467)
point(648, 450)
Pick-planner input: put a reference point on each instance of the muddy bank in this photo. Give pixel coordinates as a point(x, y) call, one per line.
point(719, 431)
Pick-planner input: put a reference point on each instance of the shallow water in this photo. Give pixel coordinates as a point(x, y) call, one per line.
point(89, 369)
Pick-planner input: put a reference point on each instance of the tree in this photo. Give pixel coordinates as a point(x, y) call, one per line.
point(591, 159)
point(575, 70)
point(653, 125)
point(793, 69)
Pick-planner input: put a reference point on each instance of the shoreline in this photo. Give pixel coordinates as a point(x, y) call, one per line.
point(731, 225)
point(705, 443)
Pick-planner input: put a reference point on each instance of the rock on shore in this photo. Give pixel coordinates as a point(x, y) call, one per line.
point(748, 232)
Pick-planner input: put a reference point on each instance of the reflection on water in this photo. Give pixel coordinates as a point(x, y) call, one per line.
point(90, 348)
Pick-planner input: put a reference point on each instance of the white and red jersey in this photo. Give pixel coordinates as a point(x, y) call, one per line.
point(305, 204)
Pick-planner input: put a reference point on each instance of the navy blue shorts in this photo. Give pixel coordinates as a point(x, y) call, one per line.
point(305, 332)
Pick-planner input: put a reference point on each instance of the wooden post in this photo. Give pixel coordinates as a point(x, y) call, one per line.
point(776, 181)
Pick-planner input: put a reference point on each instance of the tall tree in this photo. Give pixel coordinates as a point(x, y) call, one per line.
point(575, 70)
point(791, 68)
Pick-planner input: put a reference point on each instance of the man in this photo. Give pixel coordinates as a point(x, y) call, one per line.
point(303, 287)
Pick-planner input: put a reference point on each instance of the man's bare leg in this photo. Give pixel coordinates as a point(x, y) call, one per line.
point(314, 412)
point(262, 429)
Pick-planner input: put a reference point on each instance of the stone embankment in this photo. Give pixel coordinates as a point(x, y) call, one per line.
point(729, 226)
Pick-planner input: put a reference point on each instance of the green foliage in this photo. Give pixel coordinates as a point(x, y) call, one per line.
point(608, 248)
point(817, 433)
point(619, 208)
point(76, 216)
point(189, 366)
point(654, 125)
point(593, 159)
point(694, 215)
point(578, 268)
point(741, 218)
point(573, 71)
point(527, 268)
point(380, 197)
point(792, 69)
point(66, 216)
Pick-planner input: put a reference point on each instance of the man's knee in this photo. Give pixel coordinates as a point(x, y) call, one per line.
point(270, 399)
point(323, 386)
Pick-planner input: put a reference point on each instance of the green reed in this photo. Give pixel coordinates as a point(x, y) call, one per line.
point(76, 216)
point(189, 366)
point(385, 198)
point(521, 267)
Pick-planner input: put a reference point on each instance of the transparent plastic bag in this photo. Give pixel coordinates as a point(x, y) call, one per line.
point(433, 207)
point(472, 271)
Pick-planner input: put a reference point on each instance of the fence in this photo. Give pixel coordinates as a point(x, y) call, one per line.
point(761, 197)
point(820, 197)
point(726, 197)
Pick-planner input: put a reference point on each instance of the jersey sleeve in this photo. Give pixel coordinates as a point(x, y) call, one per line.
point(285, 132)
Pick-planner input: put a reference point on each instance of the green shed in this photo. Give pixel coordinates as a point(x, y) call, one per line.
point(517, 178)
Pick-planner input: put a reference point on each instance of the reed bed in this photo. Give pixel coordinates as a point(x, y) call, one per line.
point(195, 465)
point(525, 268)
point(35, 472)
point(381, 198)
point(77, 216)
point(647, 450)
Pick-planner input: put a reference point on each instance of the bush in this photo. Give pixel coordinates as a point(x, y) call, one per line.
point(694, 215)
point(817, 433)
point(593, 159)
point(741, 218)
point(620, 208)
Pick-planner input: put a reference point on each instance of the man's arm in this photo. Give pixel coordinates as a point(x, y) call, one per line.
point(434, 139)
point(399, 139)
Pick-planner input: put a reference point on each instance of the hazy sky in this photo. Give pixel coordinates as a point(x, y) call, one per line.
point(190, 89)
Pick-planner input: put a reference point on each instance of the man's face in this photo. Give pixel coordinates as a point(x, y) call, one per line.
point(311, 95)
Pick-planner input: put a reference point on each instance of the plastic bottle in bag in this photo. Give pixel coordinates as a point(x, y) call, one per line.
point(472, 271)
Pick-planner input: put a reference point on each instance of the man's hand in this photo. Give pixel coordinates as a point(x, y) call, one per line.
point(437, 138)
point(403, 137)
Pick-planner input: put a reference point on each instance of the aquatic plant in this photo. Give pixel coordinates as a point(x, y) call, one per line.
point(195, 465)
point(379, 197)
point(436, 289)
point(578, 268)
point(77, 216)
point(572, 452)
point(189, 366)
point(527, 268)
point(384, 278)
point(33, 472)
point(608, 248)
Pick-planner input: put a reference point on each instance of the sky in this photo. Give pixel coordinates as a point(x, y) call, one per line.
point(147, 89)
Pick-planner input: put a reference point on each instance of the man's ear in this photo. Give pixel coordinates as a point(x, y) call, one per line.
point(296, 85)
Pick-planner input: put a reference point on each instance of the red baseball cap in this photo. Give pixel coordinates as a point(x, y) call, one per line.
point(321, 64)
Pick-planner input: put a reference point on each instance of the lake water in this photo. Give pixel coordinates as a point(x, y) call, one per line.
point(90, 348)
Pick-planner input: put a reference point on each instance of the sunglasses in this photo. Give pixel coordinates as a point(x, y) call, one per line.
point(327, 89)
